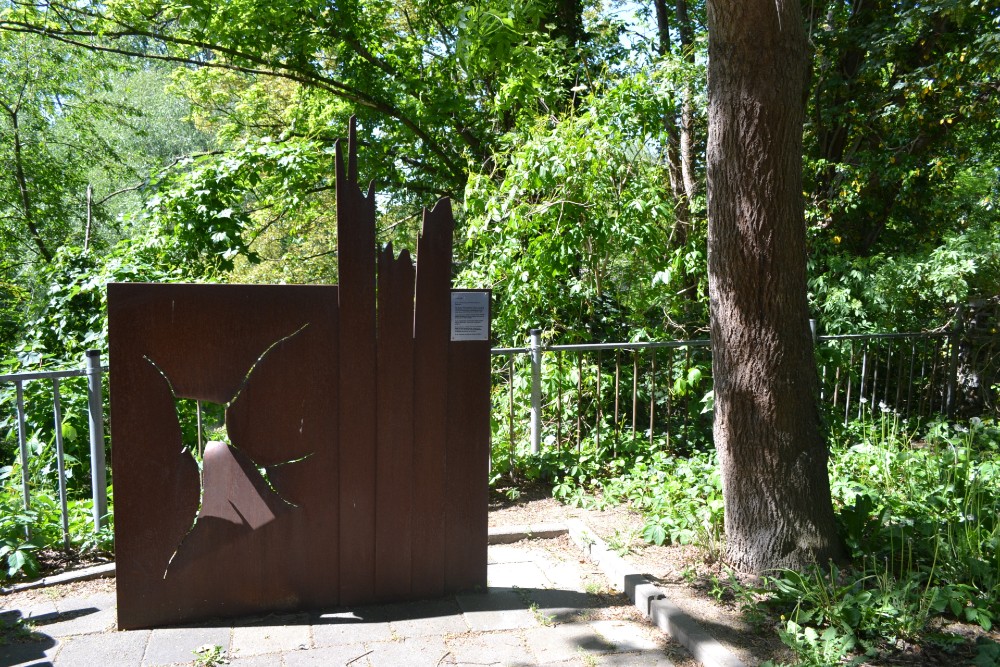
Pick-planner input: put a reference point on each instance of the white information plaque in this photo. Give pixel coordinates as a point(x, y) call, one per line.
point(470, 315)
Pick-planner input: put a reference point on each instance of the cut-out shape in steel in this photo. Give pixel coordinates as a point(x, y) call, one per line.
point(234, 488)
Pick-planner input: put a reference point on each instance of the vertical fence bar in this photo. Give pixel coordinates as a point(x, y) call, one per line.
point(22, 443)
point(652, 395)
point(955, 338)
point(635, 390)
point(510, 415)
point(930, 385)
point(874, 388)
point(618, 380)
point(923, 376)
point(95, 405)
point(909, 385)
point(536, 391)
point(687, 393)
point(836, 386)
point(864, 372)
point(60, 460)
point(901, 356)
point(847, 394)
point(579, 402)
point(670, 373)
point(597, 419)
point(559, 412)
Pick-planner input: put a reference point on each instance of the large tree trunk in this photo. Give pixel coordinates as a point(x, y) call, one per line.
point(773, 458)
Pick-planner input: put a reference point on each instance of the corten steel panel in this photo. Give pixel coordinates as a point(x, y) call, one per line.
point(356, 260)
point(360, 437)
point(394, 490)
point(254, 548)
point(432, 330)
point(468, 458)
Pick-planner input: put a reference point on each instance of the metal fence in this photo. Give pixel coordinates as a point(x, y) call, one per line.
point(605, 394)
point(92, 370)
point(565, 395)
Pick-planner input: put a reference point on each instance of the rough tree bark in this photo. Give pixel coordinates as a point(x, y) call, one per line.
point(773, 457)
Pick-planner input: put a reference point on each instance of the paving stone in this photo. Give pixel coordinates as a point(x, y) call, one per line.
point(37, 611)
point(350, 627)
point(565, 642)
point(272, 634)
point(170, 645)
point(626, 635)
point(502, 649)
point(417, 652)
point(355, 655)
point(640, 659)
point(22, 654)
point(522, 575)
point(559, 606)
point(498, 609)
point(505, 553)
point(103, 600)
point(263, 660)
point(80, 619)
point(121, 649)
point(563, 575)
point(426, 619)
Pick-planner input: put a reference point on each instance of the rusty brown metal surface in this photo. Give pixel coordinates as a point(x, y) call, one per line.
point(431, 328)
point(178, 341)
point(356, 259)
point(468, 456)
point(394, 486)
point(359, 437)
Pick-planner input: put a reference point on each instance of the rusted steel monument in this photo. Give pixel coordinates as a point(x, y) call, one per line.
point(359, 431)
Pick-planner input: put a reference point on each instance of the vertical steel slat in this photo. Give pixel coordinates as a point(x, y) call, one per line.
point(836, 385)
point(510, 415)
point(618, 378)
point(847, 395)
point(861, 385)
point(687, 394)
point(597, 420)
point(669, 396)
point(536, 390)
point(22, 442)
point(932, 383)
point(60, 461)
point(822, 384)
point(901, 358)
point(652, 396)
point(579, 402)
point(923, 377)
point(909, 385)
point(874, 388)
point(95, 410)
point(559, 392)
point(888, 373)
point(635, 390)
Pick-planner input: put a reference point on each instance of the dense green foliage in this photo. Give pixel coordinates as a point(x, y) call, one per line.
point(572, 134)
point(917, 505)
